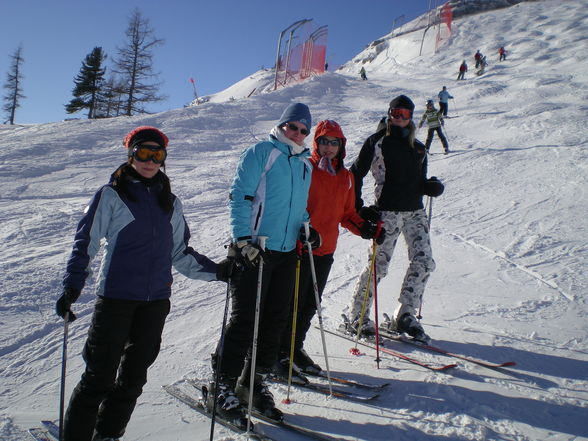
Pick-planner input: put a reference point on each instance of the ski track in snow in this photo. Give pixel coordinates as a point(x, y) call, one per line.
point(508, 235)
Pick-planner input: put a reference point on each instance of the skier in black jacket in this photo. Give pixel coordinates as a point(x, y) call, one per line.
point(399, 165)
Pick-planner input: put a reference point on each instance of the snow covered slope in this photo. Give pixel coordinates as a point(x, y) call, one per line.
point(509, 238)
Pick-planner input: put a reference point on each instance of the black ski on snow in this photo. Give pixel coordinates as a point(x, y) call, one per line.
point(393, 353)
point(197, 404)
point(337, 393)
point(348, 381)
point(52, 428)
point(400, 338)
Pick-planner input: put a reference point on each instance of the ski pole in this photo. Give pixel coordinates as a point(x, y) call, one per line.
point(63, 371)
point(378, 231)
point(294, 320)
point(218, 357)
point(429, 216)
point(261, 242)
point(318, 303)
point(355, 350)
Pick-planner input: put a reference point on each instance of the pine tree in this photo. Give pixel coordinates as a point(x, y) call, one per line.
point(134, 65)
point(88, 84)
point(13, 85)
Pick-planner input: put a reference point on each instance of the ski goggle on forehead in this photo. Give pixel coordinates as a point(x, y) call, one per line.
point(400, 113)
point(145, 153)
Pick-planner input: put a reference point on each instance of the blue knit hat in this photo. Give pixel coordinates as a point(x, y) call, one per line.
point(296, 112)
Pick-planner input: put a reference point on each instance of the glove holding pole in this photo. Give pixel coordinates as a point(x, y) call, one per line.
point(63, 304)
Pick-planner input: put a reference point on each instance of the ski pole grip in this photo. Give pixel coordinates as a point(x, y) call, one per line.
point(261, 241)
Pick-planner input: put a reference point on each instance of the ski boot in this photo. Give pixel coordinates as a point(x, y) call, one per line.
point(263, 400)
point(407, 323)
point(368, 329)
point(228, 406)
point(281, 370)
point(306, 364)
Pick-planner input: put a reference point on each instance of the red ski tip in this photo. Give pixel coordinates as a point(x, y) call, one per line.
point(286, 401)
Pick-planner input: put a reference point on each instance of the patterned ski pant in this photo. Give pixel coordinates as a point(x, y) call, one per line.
point(414, 227)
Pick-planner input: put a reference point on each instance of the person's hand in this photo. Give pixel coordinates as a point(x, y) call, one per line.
point(314, 238)
point(433, 187)
point(370, 230)
point(247, 254)
point(224, 269)
point(371, 214)
point(63, 304)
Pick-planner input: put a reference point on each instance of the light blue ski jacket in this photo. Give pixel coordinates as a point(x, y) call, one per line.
point(269, 194)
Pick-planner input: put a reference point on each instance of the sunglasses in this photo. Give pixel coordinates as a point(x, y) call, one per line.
point(295, 128)
point(333, 142)
point(145, 153)
point(399, 113)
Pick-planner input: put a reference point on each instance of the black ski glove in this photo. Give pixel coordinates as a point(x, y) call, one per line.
point(369, 230)
point(63, 304)
point(314, 238)
point(247, 254)
point(433, 187)
point(224, 269)
point(370, 214)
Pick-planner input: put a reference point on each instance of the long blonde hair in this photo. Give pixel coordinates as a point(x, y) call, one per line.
point(411, 131)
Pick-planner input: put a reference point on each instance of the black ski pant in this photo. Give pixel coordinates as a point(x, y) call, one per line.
point(125, 337)
point(276, 293)
point(443, 107)
point(441, 137)
point(306, 300)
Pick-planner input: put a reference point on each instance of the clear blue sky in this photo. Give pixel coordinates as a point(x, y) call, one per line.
point(216, 42)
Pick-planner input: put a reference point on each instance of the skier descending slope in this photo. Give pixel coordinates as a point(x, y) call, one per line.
point(399, 165)
point(268, 199)
point(145, 231)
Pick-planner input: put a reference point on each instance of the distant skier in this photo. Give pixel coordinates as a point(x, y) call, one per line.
point(477, 57)
point(434, 119)
point(463, 68)
point(140, 224)
point(444, 98)
point(502, 53)
point(482, 68)
point(362, 73)
point(398, 162)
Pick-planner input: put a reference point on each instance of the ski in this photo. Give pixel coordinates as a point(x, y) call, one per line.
point(337, 393)
point(349, 382)
point(198, 406)
point(285, 424)
point(400, 338)
point(394, 353)
point(39, 434)
point(52, 428)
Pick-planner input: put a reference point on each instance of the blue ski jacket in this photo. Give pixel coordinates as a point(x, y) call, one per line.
point(269, 194)
point(142, 242)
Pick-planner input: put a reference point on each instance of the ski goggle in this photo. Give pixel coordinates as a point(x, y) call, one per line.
point(295, 128)
point(145, 153)
point(325, 141)
point(399, 113)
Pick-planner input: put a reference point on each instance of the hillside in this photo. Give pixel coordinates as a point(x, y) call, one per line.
point(509, 238)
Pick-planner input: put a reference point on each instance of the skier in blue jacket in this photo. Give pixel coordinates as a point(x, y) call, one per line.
point(268, 198)
point(146, 234)
point(444, 98)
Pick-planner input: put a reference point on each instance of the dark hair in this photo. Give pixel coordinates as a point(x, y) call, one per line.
point(126, 174)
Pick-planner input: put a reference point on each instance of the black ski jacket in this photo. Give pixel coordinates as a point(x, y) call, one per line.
point(398, 169)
